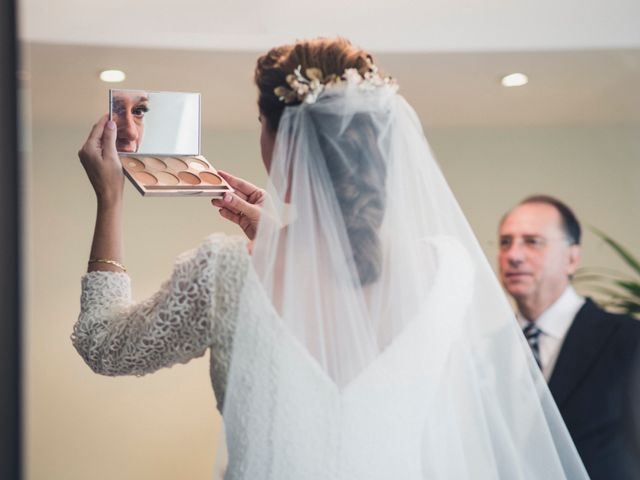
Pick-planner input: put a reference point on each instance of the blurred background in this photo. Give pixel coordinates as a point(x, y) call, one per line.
point(573, 131)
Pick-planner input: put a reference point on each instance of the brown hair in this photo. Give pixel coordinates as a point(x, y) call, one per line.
point(359, 186)
point(568, 220)
point(330, 55)
point(570, 223)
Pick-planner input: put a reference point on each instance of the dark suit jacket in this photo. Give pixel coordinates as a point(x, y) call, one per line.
point(592, 383)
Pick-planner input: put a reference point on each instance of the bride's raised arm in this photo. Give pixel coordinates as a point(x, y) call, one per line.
point(100, 160)
point(117, 336)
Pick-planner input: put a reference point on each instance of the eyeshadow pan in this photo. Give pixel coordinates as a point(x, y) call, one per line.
point(132, 163)
point(189, 178)
point(198, 165)
point(153, 163)
point(175, 163)
point(145, 178)
point(167, 178)
point(210, 178)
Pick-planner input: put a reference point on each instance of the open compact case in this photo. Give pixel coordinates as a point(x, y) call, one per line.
point(158, 142)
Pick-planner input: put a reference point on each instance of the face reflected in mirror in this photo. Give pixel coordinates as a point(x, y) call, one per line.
point(168, 121)
point(128, 109)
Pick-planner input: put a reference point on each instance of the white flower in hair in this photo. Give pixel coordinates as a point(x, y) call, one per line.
point(307, 87)
point(352, 76)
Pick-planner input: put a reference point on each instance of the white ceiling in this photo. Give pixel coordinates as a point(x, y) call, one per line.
point(379, 25)
point(583, 57)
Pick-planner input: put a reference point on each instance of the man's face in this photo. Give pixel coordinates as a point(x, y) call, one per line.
point(535, 258)
point(128, 113)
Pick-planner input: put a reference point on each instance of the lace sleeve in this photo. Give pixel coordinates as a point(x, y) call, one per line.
point(118, 337)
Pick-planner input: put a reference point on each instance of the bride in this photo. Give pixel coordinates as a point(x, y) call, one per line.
point(360, 334)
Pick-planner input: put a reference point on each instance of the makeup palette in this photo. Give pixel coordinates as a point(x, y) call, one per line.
point(158, 141)
point(173, 175)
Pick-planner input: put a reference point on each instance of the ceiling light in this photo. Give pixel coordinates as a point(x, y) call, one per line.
point(112, 76)
point(514, 80)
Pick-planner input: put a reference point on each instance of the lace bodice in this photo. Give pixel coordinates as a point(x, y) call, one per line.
point(194, 310)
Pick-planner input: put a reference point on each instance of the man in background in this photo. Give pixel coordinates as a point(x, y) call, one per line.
point(585, 353)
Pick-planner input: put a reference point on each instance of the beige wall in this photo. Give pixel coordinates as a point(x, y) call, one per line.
point(83, 426)
point(596, 170)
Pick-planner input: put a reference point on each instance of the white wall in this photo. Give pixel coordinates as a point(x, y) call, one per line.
point(403, 25)
point(163, 427)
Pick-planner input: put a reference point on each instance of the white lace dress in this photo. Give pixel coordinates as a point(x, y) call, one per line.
point(370, 429)
point(194, 310)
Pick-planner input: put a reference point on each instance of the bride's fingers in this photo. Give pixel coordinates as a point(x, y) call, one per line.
point(225, 206)
point(229, 215)
point(238, 184)
point(238, 205)
point(108, 141)
point(98, 128)
point(219, 202)
point(247, 226)
point(91, 150)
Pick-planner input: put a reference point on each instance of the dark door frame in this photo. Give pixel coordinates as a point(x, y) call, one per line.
point(10, 251)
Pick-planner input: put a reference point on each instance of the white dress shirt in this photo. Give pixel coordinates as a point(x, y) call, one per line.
point(554, 324)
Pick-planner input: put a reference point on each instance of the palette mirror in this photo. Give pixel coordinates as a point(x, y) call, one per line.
point(158, 141)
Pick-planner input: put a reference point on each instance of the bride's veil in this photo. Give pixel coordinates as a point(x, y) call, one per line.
point(373, 339)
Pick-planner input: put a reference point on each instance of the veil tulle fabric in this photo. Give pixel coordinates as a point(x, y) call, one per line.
point(380, 344)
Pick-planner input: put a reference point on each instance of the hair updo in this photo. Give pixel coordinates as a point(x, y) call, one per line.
point(330, 55)
point(360, 186)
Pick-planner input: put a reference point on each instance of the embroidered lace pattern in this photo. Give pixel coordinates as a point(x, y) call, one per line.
point(194, 310)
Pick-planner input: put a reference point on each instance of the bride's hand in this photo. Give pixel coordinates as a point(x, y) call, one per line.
point(100, 160)
point(243, 206)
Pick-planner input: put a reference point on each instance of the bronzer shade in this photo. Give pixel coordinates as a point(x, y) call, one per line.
point(189, 178)
point(153, 163)
point(145, 178)
point(166, 178)
point(211, 178)
point(175, 163)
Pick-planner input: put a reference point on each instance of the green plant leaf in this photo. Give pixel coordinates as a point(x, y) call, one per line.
point(621, 289)
point(630, 308)
point(601, 272)
point(614, 294)
point(619, 249)
point(592, 277)
point(631, 287)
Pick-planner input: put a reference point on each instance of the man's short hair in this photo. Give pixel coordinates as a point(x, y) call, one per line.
point(569, 221)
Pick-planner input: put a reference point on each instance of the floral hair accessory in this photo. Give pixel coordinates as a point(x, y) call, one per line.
point(307, 87)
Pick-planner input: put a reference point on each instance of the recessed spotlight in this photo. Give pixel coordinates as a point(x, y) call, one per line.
point(112, 76)
point(514, 80)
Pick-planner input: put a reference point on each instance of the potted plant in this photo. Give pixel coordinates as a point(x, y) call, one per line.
point(619, 292)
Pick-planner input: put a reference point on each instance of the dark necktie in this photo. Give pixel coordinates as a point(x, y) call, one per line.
point(532, 334)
